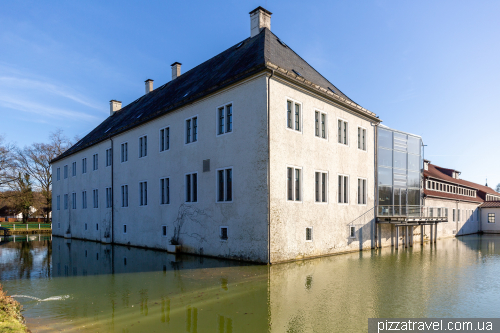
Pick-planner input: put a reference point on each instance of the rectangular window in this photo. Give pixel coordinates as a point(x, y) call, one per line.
point(124, 192)
point(491, 217)
point(109, 157)
point(453, 215)
point(309, 237)
point(95, 162)
point(109, 198)
point(143, 193)
point(458, 215)
point(343, 132)
point(192, 130)
point(320, 124)
point(289, 114)
point(124, 228)
point(223, 233)
point(58, 202)
point(225, 185)
point(320, 186)
point(165, 139)
point(294, 184)
point(361, 191)
point(164, 191)
point(84, 199)
point(95, 195)
point(65, 171)
point(73, 200)
point(85, 230)
point(352, 231)
point(164, 230)
point(58, 173)
point(84, 165)
point(192, 187)
point(73, 169)
point(361, 138)
point(65, 201)
point(143, 146)
point(343, 190)
point(225, 119)
point(124, 152)
point(297, 117)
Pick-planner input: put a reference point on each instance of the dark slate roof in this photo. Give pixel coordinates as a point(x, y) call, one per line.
point(240, 61)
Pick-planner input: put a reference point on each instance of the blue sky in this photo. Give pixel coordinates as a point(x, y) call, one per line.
point(429, 67)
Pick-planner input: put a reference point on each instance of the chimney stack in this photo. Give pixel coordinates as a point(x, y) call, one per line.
point(114, 106)
point(176, 70)
point(260, 18)
point(149, 86)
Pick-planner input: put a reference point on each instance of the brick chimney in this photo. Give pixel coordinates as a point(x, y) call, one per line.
point(114, 106)
point(176, 70)
point(260, 18)
point(149, 86)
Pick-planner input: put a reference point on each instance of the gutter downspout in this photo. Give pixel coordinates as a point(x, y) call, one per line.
point(269, 170)
point(112, 194)
point(375, 203)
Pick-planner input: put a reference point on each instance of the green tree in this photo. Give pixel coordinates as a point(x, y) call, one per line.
point(22, 194)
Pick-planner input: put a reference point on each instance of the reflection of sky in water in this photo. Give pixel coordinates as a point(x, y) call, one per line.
point(136, 290)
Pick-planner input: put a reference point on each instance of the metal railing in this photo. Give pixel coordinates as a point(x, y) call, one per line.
point(26, 226)
point(412, 211)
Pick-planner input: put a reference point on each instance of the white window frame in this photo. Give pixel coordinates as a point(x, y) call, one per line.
point(124, 152)
point(352, 235)
point(165, 143)
point(124, 195)
point(220, 233)
point(95, 198)
point(192, 187)
point(493, 217)
point(84, 165)
point(343, 194)
point(109, 157)
point(58, 202)
point(66, 201)
point(95, 162)
point(109, 198)
point(320, 129)
point(143, 193)
point(191, 129)
point(164, 227)
point(311, 234)
point(73, 200)
point(58, 174)
point(84, 199)
point(294, 181)
point(217, 185)
point(366, 141)
point(301, 117)
point(347, 134)
point(365, 199)
point(142, 149)
point(323, 200)
point(73, 169)
point(65, 173)
point(124, 229)
point(217, 119)
point(167, 192)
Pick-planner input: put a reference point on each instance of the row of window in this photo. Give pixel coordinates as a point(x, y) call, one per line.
point(224, 192)
point(490, 197)
point(294, 187)
point(447, 188)
point(462, 215)
point(294, 117)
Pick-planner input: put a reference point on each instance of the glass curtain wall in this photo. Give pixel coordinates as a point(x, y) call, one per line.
point(399, 173)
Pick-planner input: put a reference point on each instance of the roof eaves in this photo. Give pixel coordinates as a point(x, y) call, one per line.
point(289, 75)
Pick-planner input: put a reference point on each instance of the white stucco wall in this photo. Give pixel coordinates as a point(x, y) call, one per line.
point(468, 223)
point(487, 227)
point(304, 150)
point(245, 150)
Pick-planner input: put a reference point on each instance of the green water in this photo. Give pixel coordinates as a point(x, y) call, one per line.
point(120, 289)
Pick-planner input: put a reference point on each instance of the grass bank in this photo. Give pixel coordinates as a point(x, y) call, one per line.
point(11, 319)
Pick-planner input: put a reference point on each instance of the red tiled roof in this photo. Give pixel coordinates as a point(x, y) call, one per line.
point(434, 172)
point(491, 204)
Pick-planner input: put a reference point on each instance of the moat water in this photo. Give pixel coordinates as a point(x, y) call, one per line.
point(101, 288)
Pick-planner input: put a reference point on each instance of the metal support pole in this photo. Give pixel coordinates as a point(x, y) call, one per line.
point(435, 232)
point(422, 229)
point(397, 237)
point(392, 235)
point(411, 236)
point(406, 236)
point(379, 235)
point(432, 233)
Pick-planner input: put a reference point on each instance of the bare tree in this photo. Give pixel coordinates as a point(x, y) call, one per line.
point(6, 161)
point(22, 194)
point(498, 188)
point(35, 160)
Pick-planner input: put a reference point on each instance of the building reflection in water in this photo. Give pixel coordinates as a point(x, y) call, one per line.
point(116, 288)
